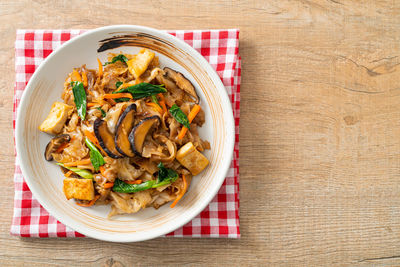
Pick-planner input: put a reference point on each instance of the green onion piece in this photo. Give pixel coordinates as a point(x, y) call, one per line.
point(118, 84)
point(79, 98)
point(95, 156)
point(120, 57)
point(142, 90)
point(122, 187)
point(81, 172)
point(165, 176)
point(155, 100)
point(179, 116)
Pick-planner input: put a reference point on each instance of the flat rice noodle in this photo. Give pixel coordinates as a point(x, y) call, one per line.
point(149, 76)
point(110, 168)
point(113, 115)
point(175, 94)
point(67, 95)
point(100, 181)
point(122, 203)
point(146, 164)
point(178, 185)
point(174, 128)
point(171, 147)
point(86, 167)
point(72, 123)
point(170, 192)
point(77, 148)
point(126, 171)
point(116, 69)
point(162, 198)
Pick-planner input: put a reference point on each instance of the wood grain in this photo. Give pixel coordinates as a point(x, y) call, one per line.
point(319, 132)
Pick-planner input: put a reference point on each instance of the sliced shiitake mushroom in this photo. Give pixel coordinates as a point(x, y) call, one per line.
point(182, 82)
point(169, 84)
point(140, 131)
point(55, 144)
point(124, 127)
point(105, 138)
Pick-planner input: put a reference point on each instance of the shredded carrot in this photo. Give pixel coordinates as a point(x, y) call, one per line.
point(134, 182)
point(92, 104)
point(124, 85)
point(62, 147)
point(162, 102)
point(68, 173)
point(90, 203)
point(192, 114)
point(91, 137)
point(180, 193)
point(75, 76)
point(102, 170)
point(95, 102)
point(161, 96)
point(155, 107)
point(108, 185)
point(94, 140)
point(84, 79)
point(100, 67)
point(76, 163)
point(183, 132)
point(118, 95)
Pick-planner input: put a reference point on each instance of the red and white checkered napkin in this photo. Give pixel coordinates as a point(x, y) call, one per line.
point(219, 219)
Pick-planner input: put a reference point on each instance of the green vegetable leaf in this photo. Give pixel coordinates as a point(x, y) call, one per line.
point(142, 90)
point(103, 113)
point(155, 100)
point(120, 57)
point(165, 176)
point(81, 172)
point(118, 84)
point(122, 99)
point(79, 98)
point(122, 187)
point(179, 116)
point(95, 156)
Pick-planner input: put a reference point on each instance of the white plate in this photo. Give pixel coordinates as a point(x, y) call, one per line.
point(45, 178)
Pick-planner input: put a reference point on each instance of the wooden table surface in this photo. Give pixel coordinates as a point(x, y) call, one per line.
point(319, 132)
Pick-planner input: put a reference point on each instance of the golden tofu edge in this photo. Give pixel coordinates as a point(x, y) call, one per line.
point(78, 188)
point(191, 158)
point(53, 124)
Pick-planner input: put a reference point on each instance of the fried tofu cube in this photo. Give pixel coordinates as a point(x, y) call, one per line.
point(78, 188)
point(56, 119)
point(140, 62)
point(191, 158)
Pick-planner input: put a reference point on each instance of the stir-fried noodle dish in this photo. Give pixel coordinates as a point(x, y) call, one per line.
point(126, 134)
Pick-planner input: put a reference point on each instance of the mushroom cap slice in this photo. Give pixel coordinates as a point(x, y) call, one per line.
point(124, 127)
point(54, 144)
point(140, 131)
point(182, 82)
point(105, 138)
